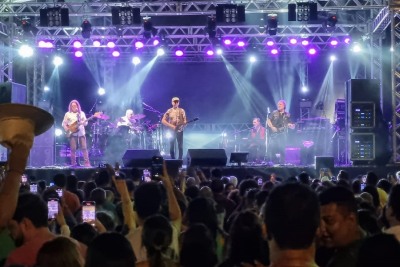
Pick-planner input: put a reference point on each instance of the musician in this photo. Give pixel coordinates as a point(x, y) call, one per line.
point(127, 120)
point(74, 124)
point(278, 122)
point(174, 119)
point(257, 141)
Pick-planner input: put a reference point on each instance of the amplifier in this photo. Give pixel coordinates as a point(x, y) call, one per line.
point(314, 124)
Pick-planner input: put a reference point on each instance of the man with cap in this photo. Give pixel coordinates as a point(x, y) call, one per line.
point(175, 119)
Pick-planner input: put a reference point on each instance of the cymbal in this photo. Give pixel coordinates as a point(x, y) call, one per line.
point(138, 116)
point(103, 117)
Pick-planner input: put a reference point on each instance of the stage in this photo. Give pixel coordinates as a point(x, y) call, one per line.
point(241, 172)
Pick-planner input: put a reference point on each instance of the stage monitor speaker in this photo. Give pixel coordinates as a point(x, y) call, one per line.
point(173, 166)
point(324, 162)
point(206, 157)
point(239, 157)
point(139, 158)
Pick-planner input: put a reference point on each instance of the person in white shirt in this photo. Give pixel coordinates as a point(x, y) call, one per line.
point(74, 124)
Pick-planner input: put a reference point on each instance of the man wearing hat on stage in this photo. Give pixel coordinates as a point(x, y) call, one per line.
point(175, 119)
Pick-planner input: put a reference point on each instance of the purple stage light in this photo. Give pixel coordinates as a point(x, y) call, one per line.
point(334, 43)
point(78, 54)
point(270, 43)
point(347, 40)
point(115, 53)
point(312, 51)
point(77, 44)
point(178, 53)
point(42, 44)
point(96, 43)
point(227, 42)
point(210, 52)
point(305, 42)
point(156, 42)
point(293, 41)
point(139, 44)
point(274, 51)
point(110, 44)
point(240, 43)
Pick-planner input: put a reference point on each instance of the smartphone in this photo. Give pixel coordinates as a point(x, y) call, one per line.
point(88, 211)
point(33, 188)
point(59, 192)
point(52, 206)
point(157, 167)
point(363, 186)
point(51, 184)
point(24, 179)
point(260, 181)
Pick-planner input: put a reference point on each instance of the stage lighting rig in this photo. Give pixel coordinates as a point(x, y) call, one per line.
point(86, 29)
point(148, 28)
point(211, 27)
point(272, 24)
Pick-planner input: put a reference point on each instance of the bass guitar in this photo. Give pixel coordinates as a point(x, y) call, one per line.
point(281, 130)
point(74, 127)
point(179, 128)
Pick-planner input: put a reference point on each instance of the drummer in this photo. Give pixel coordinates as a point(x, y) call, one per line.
point(127, 120)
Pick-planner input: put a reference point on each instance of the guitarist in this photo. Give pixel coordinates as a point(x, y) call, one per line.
point(278, 122)
point(174, 119)
point(74, 124)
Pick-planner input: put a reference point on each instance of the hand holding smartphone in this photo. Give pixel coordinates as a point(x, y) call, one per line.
point(157, 168)
point(52, 206)
point(33, 188)
point(89, 211)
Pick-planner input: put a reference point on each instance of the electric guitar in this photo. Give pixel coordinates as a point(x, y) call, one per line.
point(74, 127)
point(179, 128)
point(281, 130)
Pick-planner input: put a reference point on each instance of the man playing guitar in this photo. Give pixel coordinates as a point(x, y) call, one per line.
point(175, 119)
point(74, 124)
point(278, 122)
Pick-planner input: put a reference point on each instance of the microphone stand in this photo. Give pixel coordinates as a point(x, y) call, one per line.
point(159, 130)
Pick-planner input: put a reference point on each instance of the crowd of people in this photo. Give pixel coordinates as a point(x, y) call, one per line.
point(198, 218)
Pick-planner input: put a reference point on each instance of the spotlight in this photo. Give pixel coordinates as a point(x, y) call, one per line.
point(135, 61)
point(219, 51)
point(125, 16)
point(77, 44)
point(115, 53)
point(356, 48)
point(210, 52)
point(54, 17)
point(160, 51)
point(178, 53)
point(86, 29)
point(332, 58)
point(305, 42)
point(148, 29)
point(227, 42)
point(241, 43)
point(156, 42)
point(270, 43)
point(96, 43)
point(78, 54)
point(230, 13)
point(304, 89)
point(252, 59)
point(293, 41)
point(272, 24)
point(110, 44)
point(28, 28)
point(139, 44)
point(46, 89)
point(101, 91)
point(334, 42)
point(57, 61)
point(58, 132)
point(347, 40)
point(211, 27)
point(45, 44)
point(25, 51)
point(274, 51)
point(312, 51)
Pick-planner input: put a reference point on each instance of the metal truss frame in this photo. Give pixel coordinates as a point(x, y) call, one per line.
point(395, 26)
point(218, 127)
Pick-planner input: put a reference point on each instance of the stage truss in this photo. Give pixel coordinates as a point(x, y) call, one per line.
point(368, 19)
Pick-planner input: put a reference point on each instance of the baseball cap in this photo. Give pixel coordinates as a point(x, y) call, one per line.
point(175, 99)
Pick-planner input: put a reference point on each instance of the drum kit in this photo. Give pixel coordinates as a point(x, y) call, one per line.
point(132, 134)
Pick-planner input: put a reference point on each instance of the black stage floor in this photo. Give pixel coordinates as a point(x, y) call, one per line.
point(46, 173)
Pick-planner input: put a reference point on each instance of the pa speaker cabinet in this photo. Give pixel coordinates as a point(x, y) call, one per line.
point(366, 90)
point(324, 162)
point(12, 93)
point(139, 158)
point(206, 157)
